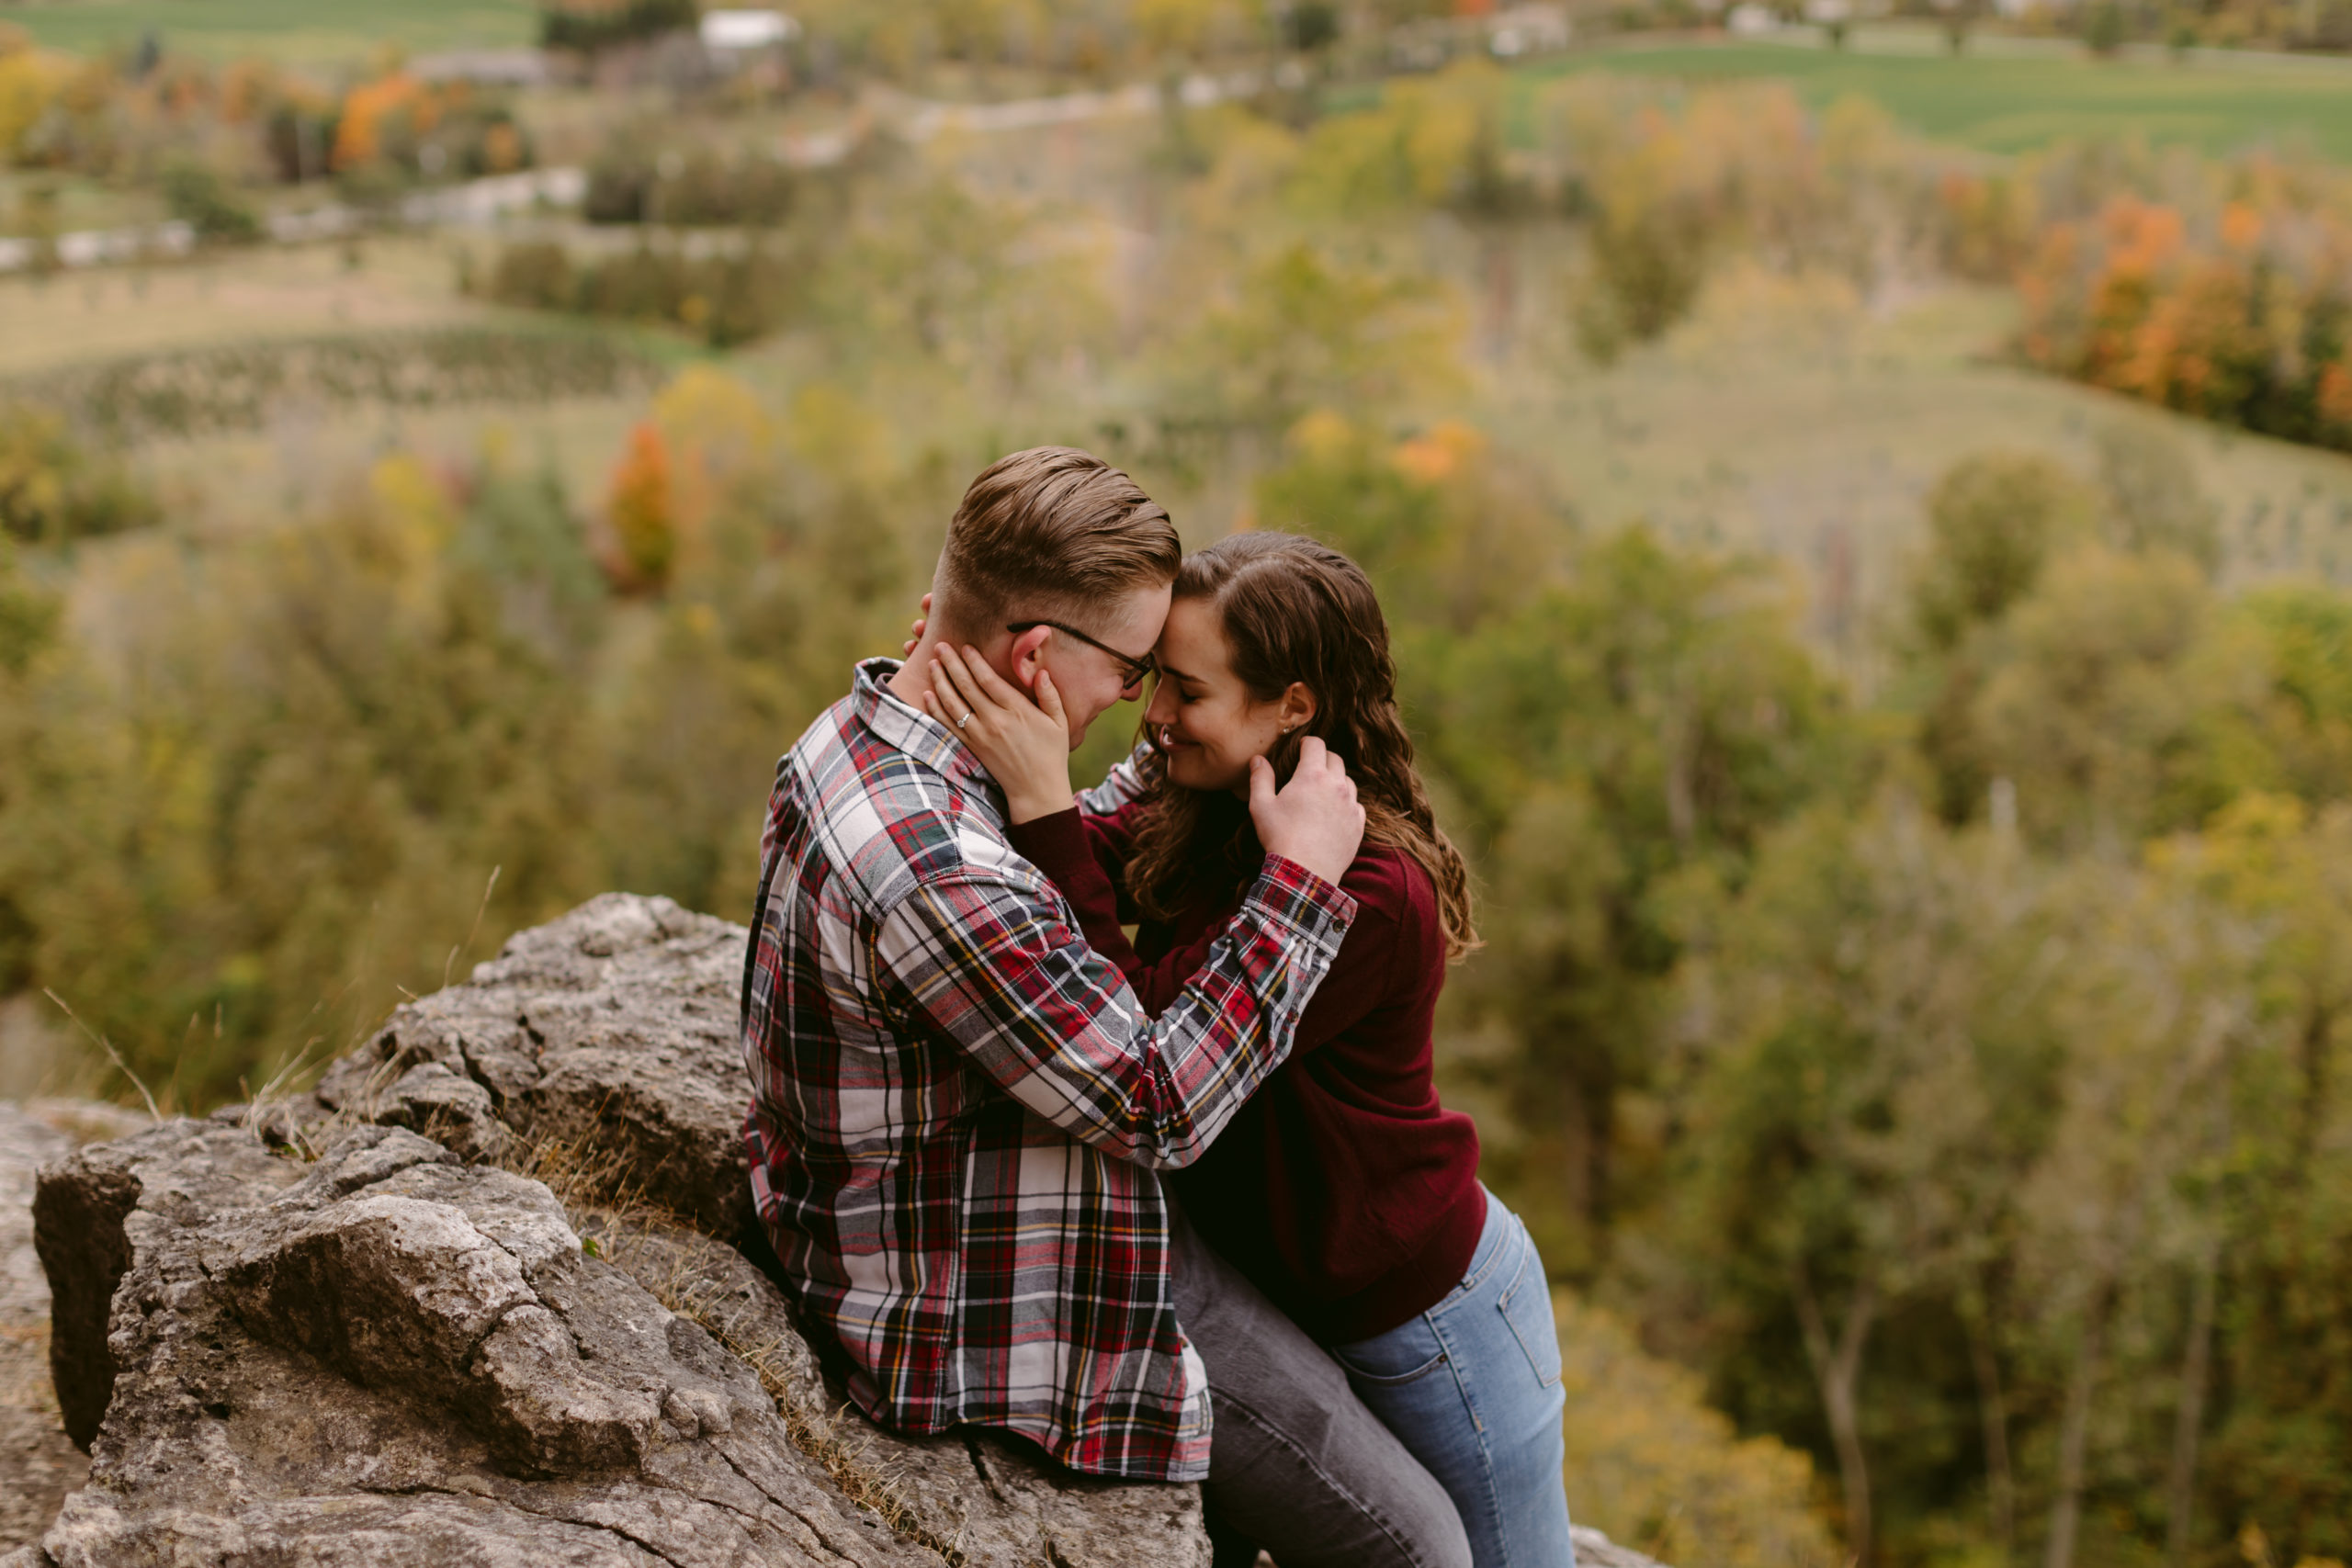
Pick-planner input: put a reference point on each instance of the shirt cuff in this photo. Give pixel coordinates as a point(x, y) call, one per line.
point(1302, 903)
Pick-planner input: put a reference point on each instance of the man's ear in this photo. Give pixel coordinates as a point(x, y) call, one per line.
point(1026, 656)
point(1298, 707)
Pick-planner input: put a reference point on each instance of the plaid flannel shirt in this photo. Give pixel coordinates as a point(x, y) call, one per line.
point(958, 1107)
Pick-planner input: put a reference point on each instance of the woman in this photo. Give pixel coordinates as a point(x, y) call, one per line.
point(1344, 1189)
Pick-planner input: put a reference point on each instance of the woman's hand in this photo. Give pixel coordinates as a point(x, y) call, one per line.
point(1024, 744)
point(920, 621)
point(1315, 819)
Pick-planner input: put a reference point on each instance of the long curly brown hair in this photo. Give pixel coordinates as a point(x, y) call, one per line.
point(1295, 610)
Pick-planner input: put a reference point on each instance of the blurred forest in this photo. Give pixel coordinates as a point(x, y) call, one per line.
point(1918, 991)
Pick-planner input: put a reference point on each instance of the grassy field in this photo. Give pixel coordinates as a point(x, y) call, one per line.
point(301, 31)
point(251, 297)
point(1790, 420)
point(267, 296)
point(2005, 97)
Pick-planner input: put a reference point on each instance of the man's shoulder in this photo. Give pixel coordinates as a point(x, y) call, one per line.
point(885, 823)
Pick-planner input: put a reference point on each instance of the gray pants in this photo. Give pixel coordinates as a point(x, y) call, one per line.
point(1297, 1464)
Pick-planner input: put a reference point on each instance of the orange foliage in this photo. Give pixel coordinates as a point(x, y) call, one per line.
point(360, 137)
point(643, 513)
point(2241, 317)
point(2241, 226)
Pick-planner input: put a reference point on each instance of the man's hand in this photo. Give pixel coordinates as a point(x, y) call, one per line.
point(1314, 819)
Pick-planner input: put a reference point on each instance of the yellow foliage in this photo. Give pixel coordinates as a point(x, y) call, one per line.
point(33, 481)
point(409, 494)
point(421, 520)
point(29, 83)
point(718, 436)
point(1418, 147)
point(2252, 851)
point(1191, 27)
point(1323, 436)
point(708, 408)
point(1653, 1467)
point(838, 437)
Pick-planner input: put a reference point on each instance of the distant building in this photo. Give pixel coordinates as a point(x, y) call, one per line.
point(1528, 30)
point(730, 35)
point(1507, 34)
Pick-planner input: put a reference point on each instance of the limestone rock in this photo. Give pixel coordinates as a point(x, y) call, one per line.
point(388, 1356)
point(616, 1025)
point(1004, 1503)
point(39, 1464)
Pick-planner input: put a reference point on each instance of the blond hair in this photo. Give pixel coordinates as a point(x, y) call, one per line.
point(1052, 528)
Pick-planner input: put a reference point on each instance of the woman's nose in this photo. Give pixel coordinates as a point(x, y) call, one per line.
point(1161, 708)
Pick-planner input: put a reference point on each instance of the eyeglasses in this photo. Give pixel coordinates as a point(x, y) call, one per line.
point(1132, 670)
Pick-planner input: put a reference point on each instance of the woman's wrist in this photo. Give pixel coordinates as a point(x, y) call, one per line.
point(1028, 809)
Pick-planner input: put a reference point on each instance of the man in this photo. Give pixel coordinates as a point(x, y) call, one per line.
point(958, 1107)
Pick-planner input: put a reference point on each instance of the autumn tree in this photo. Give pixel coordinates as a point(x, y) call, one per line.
point(1864, 1101)
point(642, 511)
point(1621, 737)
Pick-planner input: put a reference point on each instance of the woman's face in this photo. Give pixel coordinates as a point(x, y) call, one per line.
point(1201, 716)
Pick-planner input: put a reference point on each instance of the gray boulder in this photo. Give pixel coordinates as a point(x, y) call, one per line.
point(38, 1465)
point(614, 1025)
point(387, 1356)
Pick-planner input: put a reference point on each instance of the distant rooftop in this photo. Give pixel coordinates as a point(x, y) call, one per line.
point(736, 30)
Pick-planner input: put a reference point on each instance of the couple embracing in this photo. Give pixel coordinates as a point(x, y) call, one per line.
point(1183, 1207)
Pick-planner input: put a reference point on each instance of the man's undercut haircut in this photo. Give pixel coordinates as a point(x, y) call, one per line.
point(1051, 530)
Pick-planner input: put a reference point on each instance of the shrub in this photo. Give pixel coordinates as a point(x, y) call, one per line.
point(590, 26)
point(55, 489)
point(198, 391)
point(534, 272)
point(727, 298)
point(2106, 29)
point(696, 190)
point(199, 196)
point(27, 618)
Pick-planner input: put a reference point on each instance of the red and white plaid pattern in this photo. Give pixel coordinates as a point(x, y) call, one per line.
point(958, 1107)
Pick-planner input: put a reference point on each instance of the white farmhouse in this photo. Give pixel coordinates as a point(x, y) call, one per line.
point(738, 33)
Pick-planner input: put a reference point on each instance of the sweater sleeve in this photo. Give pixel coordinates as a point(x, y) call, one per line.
point(1360, 977)
point(1068, 848)
point(1112, 813)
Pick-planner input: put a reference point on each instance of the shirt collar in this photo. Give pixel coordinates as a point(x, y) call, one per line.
point(895, 722)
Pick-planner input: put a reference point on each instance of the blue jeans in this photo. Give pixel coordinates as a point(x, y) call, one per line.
point(1473, 1387)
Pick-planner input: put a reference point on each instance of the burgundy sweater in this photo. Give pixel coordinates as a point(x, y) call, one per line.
point(1342, 1190)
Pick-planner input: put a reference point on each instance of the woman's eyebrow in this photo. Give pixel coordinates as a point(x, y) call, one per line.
point(1169, 669)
